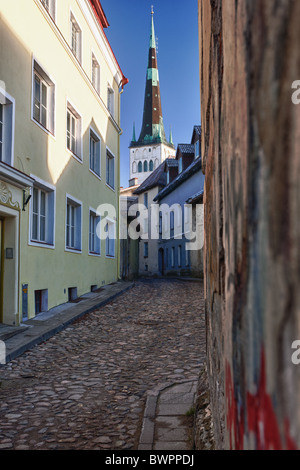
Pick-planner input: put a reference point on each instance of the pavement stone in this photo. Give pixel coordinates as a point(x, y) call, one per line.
point(110, 372)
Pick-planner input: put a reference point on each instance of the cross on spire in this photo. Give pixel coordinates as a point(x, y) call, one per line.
point(152, 11)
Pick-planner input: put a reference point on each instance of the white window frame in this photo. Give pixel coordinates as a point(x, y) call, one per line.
point(47, 81)
point(78, 131)
point(93, 135)
point(95, 79)
point(111, 100)
point(110, 249)
point(50, 7)
point(73, 202)
point(107, 176)
point(8, 127)
point(77, 52)
point(93, 233)
point(50, 192)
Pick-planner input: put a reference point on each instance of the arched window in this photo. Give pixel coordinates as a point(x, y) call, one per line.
point(151, 165)
point(140, 167)
point(145, 165)
point(134, 167)
point(156, 163)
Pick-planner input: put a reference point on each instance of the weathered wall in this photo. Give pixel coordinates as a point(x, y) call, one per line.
point(249, 58)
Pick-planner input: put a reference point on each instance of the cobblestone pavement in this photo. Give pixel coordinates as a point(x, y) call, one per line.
point(85, 388)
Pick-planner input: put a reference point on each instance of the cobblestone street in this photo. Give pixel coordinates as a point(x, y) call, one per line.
point(85, 388)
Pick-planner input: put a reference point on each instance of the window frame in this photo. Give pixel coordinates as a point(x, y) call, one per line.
point(96, 85)
point(77, 53)
point(47, 80)
point(110, 224)
point(78, 154)
point(93, 135)
point(8, 127)
point(97, 242)
point(50, 8)
point(77, 205)
point(50, 216)
point(110, 156)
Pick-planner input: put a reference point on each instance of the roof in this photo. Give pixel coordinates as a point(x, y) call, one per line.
point(190, 170)
point(186, 149)
point(157, 178)
point(171, 162)
point(196, 197)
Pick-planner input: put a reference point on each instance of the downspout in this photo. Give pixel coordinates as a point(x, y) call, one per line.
point(119, 193)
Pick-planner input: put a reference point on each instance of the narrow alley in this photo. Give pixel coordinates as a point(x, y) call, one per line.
point(85, 388)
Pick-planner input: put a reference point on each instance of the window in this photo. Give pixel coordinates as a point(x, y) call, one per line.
point(134, 167)
point(110, 169)
point(168, 177)
point(172, 256)
point(95, 150)
point(110, 238)
point(172, 224)
point(140, 167)
point(179, 255)
point(197, 149)
point(151, 165)
point(7, 110)
point(42, 214)
point(95, 74)
point(110, 100)
point(145, 166)
point(43, 98)
point(146, 200)
point(74, 140)
point(50, 7)
point(180, 165)
point(76, 38)
point(160, 224)
point(94, 240)
point(73, 224)
point(146, 249)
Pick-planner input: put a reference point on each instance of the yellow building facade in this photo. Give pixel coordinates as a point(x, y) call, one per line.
point(60, 87)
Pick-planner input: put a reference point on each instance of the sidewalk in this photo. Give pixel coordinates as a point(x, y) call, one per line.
point(169, 417)
point(32, 332)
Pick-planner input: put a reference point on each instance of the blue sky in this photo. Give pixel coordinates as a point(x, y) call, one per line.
point(176, 27)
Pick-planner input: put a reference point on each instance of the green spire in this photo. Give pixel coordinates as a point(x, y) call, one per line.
point(152, 35)
point(133, 135)
point(171, 137)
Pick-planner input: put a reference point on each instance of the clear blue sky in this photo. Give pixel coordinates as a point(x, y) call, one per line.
point(176, 27)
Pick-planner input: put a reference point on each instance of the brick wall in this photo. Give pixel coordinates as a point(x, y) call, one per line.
point(249, 58)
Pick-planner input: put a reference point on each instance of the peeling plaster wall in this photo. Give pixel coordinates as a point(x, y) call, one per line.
point(249, 58)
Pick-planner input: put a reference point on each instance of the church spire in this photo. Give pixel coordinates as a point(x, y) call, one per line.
point(153, 126)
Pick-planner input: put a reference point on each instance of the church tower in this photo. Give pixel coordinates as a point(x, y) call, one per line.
point(152, 147)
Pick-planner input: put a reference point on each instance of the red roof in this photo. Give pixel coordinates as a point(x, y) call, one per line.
point(102, 20)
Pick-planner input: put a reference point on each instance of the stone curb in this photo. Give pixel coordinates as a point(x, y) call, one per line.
point(146, 440)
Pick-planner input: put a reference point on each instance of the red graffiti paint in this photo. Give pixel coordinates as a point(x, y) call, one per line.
point(261, 417)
